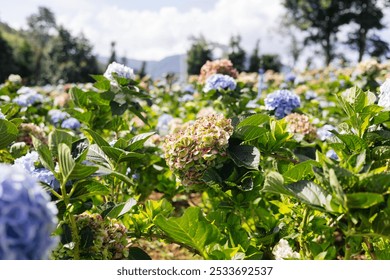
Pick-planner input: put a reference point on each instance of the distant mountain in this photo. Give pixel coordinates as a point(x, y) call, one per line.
point(156, 69)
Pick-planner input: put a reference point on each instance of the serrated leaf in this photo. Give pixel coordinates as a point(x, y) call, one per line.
point(299, 171)
point(310, 193)
point(121, 209)
point(352, 142)
point(45, 155)
point(82, 171)
point(79, 97)
point(363, 200)
point(246, 156)
point(191, 229)
point(254, 120)
point(65, 161)
point(95, 154)
point(88, 189)
point(8, 133)
point(137, 142)
point(97, 138)
point(57, 137)
point(248, 133)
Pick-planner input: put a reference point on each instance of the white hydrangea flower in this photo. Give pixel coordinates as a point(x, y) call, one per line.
point(384, 96)
point(283, 251)
point(121, 70)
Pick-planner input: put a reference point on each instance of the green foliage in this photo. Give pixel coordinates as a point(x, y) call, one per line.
point(197, 55)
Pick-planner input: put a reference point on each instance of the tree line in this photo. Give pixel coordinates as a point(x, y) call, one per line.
point(45, 52)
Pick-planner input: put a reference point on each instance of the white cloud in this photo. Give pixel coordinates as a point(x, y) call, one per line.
point(156, 34)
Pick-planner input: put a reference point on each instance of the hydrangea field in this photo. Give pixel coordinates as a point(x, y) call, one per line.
point(227, 166)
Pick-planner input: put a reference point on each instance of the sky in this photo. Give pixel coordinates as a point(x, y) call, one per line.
point(154, 29)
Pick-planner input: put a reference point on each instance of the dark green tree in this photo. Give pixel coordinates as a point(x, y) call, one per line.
point(271, 62)
point(71, 59)
point(7, 62)
point(368, 16)
point(320, 20)
point(254, 59)
point(236, 53)
point(199, 52)
point(39, 31)
point(142, 70)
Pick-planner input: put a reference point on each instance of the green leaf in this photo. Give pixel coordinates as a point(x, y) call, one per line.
point(254, 120)
point(120, 209)
point(381, 152)
point(129, 156)
point(363, 200)
point(352, 142)
point(88, 189)
point(8, 133)
point(45, 155)
point(137, 142)
point(248, 133)
point(299, 172)
point(191, 229)
point(82, 171)
point(381, 224)
point(79, 97)
point(310, 193)
point(137, 110)
point(136, 253)
point(59, 136)
point(274, 183)
point(101, 83)
point(97, 138)
point(65, 161)
point(117, 108)
point(246, 156)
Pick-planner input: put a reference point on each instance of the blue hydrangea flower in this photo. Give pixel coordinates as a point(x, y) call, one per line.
point(57, 116)
point(27, 97)
point(290, 77)
point(309, 95)
point(332, 155)
point(282, 101)
point(121, 70)
point(163, 124)
point(27, 162)
point(218, 82)
point(71, 123)
point(185, 98)
point(27, 217)
point(324, 133)
point(189, 88)
point(46, 176)
point(384, 96)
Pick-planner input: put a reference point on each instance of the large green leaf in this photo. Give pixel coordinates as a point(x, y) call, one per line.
point(82, 171)
point(363, 200)
point(248, 133)
point(88, 189)
point(120, 209)
point(254, 120)
point(137, 142)
point(45, 155)
point(59, 136)
point(246, 156)
point(65, 161)
point(8, 133)
point(97, 138)
point(79, 97)
point(352, 142)
point(299, 172)
point(191, 229)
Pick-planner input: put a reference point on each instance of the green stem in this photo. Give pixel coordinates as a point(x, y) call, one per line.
point(72, 221)
point(302, 242)
point(348, 251)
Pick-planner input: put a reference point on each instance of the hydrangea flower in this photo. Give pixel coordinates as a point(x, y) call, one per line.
point(300, 126)
point(189, 88)
point(57, 116)
point(283, 251)
point(2, 116)
point(219, 66)
point(324, 133)
point(163, 124)
point(27, 217)
point(110, 240)
point(219, 82)
point(27, 97)
point(384, 96)
point(194, 149)
point(282, 101)
point(121, 71)
point(27, 162)
point(71, 123)
point(46, 176)
point(332, 154)
point(186, 98)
